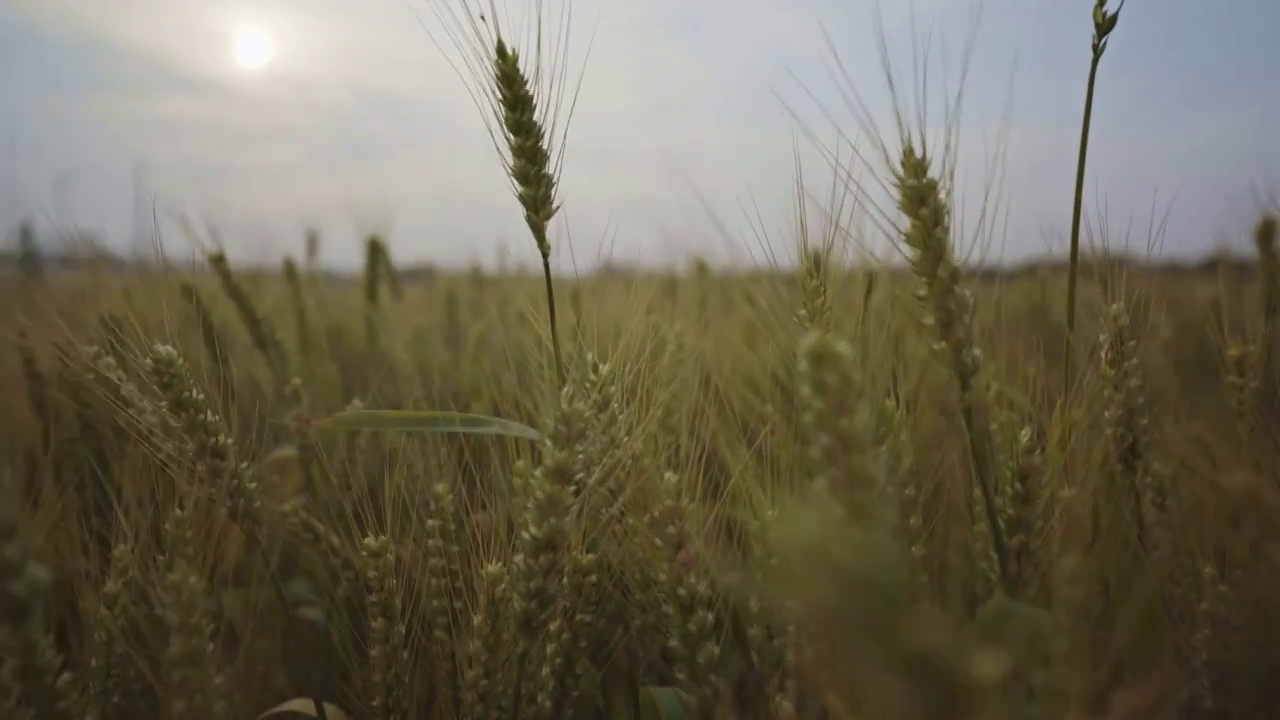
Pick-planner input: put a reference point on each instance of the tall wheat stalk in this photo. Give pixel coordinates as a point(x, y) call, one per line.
point(1103, 24)
point(522, 109)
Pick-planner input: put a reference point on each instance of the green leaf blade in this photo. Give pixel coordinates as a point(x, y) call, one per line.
point(430, 421)
point(663, 703)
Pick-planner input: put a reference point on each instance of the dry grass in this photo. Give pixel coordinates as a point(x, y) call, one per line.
point(849, 493)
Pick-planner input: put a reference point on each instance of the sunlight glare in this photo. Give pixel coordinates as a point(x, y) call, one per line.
point(252, 48)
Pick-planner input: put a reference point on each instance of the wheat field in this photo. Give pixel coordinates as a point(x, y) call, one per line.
point(845, 491)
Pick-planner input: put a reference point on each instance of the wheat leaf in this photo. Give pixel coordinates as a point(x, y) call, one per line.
point(663, 703)
point(433, 421)
point(304, 706)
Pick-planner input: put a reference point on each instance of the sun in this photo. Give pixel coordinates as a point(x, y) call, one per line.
point(252, 48)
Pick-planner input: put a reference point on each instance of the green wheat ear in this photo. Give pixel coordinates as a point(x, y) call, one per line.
point(526, 140)
point(529, 167)
point(948, 315)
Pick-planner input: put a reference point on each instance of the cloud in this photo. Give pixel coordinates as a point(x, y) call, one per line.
point(360, 119)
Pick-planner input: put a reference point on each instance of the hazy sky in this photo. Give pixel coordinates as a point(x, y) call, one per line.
point(359, 123)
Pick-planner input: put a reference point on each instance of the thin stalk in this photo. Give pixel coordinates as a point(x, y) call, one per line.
point(551, 319)
point(1103, 24)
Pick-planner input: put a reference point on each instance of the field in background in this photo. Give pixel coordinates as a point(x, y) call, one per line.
point(703, 380)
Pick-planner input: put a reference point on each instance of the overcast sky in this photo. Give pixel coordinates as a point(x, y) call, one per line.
point(359, 124)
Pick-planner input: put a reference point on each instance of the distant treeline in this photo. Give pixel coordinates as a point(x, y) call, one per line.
point(1225, 266)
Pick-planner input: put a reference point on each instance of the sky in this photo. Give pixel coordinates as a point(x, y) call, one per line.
point(684, 138)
